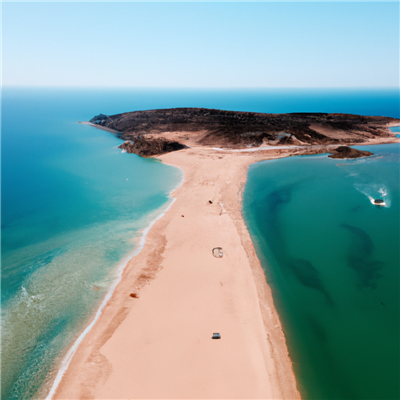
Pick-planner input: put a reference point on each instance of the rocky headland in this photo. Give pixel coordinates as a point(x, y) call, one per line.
point(156, 132)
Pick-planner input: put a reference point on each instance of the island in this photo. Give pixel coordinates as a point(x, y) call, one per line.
point(198, 272)
point(156, 132)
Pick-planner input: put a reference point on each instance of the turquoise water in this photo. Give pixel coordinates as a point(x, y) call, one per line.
point(332, 260)
point(74, 207)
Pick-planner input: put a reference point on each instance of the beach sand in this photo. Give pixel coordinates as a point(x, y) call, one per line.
point(158, 343)
point(153, 339)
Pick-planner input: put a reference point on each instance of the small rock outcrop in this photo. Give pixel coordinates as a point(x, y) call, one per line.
point(349, 152)
point(151, 147)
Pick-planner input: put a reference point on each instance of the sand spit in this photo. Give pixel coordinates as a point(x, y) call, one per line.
point(153, 339)
point(158, 343)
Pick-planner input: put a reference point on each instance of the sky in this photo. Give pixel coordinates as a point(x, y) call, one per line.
point(200, 45)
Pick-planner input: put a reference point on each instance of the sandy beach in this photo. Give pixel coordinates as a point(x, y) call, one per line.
point(153, 339)
point(158, 344)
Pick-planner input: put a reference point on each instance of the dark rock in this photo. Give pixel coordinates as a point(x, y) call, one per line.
point(151, 147)
point(349, 152)
point(99, 117)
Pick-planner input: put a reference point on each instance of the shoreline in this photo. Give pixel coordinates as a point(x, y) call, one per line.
point(265, 300)
point(279, 374)
point(99, 127)
point(66, 360)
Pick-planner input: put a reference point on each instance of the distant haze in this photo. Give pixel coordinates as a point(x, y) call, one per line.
point(201, 45)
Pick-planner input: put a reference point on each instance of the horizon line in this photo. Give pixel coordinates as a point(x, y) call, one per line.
point(196, 87)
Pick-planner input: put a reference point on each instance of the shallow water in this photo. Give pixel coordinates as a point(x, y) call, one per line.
point(74, 206)
point(331, 257)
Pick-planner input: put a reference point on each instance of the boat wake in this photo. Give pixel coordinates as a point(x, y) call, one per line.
point(373, 192)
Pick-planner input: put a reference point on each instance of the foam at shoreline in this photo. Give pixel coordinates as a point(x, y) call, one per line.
point(68, 357)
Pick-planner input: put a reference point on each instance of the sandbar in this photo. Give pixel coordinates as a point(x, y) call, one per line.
point(154, 337)
point(157, 343)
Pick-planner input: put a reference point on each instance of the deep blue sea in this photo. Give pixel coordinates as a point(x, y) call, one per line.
point(74, 208)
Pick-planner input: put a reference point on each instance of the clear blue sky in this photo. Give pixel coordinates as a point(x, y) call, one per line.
point(183, 44)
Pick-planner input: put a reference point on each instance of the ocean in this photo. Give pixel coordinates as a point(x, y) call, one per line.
point(74, 209)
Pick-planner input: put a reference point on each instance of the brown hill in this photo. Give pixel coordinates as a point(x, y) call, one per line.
point(233, 129)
